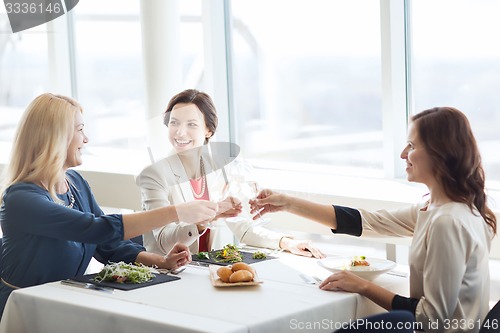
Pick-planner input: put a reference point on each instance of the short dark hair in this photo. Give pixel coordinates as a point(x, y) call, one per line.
point(202, 100)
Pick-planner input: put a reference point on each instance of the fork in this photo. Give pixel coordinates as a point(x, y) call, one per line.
point(317, 279)
point(169, 271)
point(307, 278)
point(178, 270)
point(310, 279)
point(276, 252)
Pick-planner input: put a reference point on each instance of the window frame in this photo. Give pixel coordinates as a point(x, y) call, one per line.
point(216, 20)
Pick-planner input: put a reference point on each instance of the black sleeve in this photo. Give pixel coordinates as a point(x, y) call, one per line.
point(405, 303)
point(348, 221)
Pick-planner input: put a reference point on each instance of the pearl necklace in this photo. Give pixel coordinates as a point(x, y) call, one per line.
point(71, 198)
point(203, 182)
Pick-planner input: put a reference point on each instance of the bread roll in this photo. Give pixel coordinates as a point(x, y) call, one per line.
point(242, 266)
point(224, 273)
point(241, 276)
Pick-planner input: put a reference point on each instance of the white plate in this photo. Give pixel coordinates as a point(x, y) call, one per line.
point(377, 266)
point(216, 281)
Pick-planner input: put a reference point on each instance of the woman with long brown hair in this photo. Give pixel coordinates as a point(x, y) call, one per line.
point(452, 230)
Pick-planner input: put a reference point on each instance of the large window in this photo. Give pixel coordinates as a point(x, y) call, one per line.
point(456, 62)
point(307, 83)
point(24, 72)
point(109, 72)
point(110, 75)
point(109, 80)
point(307, 77)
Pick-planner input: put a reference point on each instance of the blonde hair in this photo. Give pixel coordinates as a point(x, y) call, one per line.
point(41, 142)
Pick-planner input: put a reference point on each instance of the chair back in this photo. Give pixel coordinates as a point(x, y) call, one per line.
point(491, 324)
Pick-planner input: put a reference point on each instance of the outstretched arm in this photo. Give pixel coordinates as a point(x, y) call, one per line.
point(138, 223)
point(268, 201)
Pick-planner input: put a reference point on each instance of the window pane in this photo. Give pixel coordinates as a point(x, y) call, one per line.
point(24, 72)
point(307, 82)
point(456, 62)
point(109, 67)
point(191, 39)
point(109, 71)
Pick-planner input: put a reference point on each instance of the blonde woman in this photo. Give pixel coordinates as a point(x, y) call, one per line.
point(52, 226)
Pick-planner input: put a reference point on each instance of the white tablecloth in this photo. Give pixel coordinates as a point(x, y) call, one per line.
point(282, 303)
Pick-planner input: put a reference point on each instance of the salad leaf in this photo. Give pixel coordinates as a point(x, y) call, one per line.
point(259, 255)
point(122, 272)
point(228, 253)
point(203, 255)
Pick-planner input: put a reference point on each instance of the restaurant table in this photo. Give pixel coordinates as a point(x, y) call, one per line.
point(283, 302)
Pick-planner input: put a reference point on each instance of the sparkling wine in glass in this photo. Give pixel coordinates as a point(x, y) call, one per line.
point(252, 190)
point(218, 191)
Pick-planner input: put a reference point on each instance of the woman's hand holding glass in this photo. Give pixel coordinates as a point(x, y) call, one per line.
point(267, 202)
point(199, 211)
point(229, 207)
point(250, 189)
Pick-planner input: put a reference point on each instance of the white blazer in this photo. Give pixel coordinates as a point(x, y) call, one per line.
point(166, 183)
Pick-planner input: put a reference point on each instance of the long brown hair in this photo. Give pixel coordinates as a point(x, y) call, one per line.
point(449, 141)
point(202, 100)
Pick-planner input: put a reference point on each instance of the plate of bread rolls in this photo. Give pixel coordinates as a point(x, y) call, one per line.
point(237, 274)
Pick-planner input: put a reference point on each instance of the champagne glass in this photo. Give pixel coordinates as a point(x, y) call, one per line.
point(251, 190)
point(218, 191)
